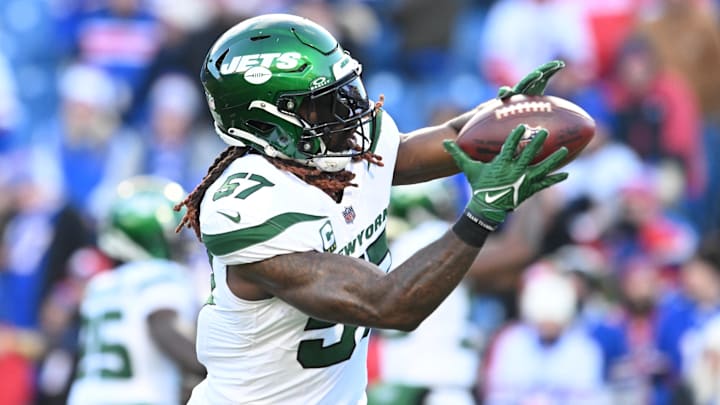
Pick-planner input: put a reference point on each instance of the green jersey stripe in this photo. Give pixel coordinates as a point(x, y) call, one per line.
point(228, 242)
point(377, 251)
point(375, 130)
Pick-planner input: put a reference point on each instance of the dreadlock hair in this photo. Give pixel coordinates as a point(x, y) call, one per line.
point(191, 219)
point(332, 184)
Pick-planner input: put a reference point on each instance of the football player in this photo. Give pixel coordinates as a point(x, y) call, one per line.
point(293, 215)
point(137, 319)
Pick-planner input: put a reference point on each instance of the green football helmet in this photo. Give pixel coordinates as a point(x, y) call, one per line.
point(141, 221)
point(283, 86)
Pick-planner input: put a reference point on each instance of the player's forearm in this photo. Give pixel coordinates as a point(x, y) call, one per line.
point(458, 122)
point(352, 291)
point(422, 282)
point(421, 156)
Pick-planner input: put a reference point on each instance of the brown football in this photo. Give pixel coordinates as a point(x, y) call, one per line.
point(567, 125)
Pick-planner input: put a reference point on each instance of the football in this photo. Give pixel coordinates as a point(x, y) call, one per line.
point(567, 125)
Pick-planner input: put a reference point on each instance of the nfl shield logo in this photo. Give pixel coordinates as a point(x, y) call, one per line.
point(349, 214)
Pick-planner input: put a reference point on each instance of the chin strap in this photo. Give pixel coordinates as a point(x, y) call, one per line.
point(331, 163)
point(328, 163)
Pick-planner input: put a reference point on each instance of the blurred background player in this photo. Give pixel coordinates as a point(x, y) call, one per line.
point(137, 319)
point(683, 319)
point(546, 357)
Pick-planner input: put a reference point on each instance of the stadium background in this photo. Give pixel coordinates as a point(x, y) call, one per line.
point(93, 91)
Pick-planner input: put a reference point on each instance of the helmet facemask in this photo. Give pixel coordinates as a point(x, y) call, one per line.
point(334, 122)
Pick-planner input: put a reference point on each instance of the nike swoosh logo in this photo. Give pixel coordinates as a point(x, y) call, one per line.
point(494, 197)
point(501, 191)
point(234, 216)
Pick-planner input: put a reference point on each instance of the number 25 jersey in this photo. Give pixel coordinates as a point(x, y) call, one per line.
point(119, 362)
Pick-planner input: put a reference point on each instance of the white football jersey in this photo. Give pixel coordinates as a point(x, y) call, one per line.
point(119, 363)
point(266, 351)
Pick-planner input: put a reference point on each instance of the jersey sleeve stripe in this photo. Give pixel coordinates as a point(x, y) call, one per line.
point(377, 251)
point(224, 243)
point(376, 126)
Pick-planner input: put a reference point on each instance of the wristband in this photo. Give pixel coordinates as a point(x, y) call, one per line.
point(472, 229)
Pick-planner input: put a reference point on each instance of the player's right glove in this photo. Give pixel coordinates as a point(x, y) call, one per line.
point(534, 83)
point(500, 185)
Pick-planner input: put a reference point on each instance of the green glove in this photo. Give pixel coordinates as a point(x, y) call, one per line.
point(534, 83)
point(500, 185)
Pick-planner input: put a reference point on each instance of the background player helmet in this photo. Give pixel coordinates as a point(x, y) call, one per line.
point(412, 204)
point(283, 86)
point(140, 223)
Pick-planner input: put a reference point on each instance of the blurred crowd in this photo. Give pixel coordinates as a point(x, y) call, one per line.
point(603, 290)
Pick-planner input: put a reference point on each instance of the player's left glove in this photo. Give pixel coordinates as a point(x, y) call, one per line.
point(501, 185)
point(534, 83)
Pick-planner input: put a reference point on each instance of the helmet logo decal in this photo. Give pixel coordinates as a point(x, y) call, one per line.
point(257, 75)
point(243, 63)
point(319, 82)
